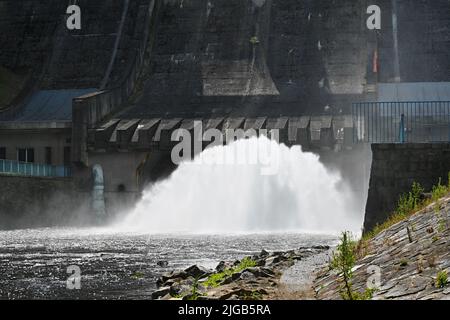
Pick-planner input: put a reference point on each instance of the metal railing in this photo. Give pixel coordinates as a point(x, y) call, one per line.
point(401, 122)
point(33, 169)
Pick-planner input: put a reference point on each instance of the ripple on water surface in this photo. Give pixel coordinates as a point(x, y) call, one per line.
point(33, 262)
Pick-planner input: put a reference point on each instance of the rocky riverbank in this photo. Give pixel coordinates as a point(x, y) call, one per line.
point(255, 277)
point(408, 261)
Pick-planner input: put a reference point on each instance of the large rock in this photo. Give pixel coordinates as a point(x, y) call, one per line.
point(222, 266)
point(160, 293)
point(260, 272)
point(197, 272)
point(175, 276)
point(271, 261)
point(178, 289)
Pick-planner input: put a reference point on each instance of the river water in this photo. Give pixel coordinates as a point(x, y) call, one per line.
point(34, 262)
point(220, 206)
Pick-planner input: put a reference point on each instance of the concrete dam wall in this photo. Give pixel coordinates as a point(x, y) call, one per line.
point(253, 58)
point(227, 57)
point(148, 67)
point(395, 167)
point(35, 39)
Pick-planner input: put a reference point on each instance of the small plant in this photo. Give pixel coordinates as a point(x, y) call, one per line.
point(409, 204)
point(254, 295)
point(403, 263)
point(411, 201)
point(195, 294)
point(245, 263)
point(439, 191)
point(254, 40)
point(442, 279)
point(367, 295)
point(137, 275)
point(343, 261)
point(442, 225)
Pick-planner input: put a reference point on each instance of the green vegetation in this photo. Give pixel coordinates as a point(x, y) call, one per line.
point(254, 40)
point(403, 263)
point(435, 238)
point(442, 279)
point(411, 201)
point(137, 275)
point(409, 204)
point(216, 279)
point(195, 294)
point(343, 261)
point(442, 225)
point(254, 295)
point(439, 191)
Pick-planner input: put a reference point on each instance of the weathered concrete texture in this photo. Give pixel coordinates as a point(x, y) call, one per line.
point(36, 202)
point(156, 134)
point(35, 37)
point(394, 169)
point(409, 264)
point(250, 58)
point(423, 41)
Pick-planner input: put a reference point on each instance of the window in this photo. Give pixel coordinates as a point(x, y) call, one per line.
point(48, 155)
point(67, 156)
point(2, 153)
point(25, 154)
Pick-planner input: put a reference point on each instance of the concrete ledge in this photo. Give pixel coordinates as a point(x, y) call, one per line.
point(394, 169)
point(11, 125)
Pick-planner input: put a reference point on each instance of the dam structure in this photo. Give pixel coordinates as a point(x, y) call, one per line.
point(111, 93)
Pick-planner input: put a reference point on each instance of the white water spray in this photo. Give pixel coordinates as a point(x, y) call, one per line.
point(199, 197)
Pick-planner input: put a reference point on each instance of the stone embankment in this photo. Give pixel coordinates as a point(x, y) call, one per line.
point(252, 278)
point(404, 261)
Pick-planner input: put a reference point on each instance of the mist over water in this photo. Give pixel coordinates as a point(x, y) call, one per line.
point(213, 196)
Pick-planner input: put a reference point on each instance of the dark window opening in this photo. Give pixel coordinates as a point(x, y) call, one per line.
point(25, 155)
point(121, 188)
point(48, 155)
point(67, 156)
point(2, 153)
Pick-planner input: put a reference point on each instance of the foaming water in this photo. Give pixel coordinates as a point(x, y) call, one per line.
point(212, 197)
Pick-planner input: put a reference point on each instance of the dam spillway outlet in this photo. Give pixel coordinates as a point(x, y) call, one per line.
point(217, 196)
point(218, 149)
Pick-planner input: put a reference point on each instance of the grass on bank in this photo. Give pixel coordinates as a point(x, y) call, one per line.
point(409, 204)
point(442, 279)
point(216, 279)
point(343, 261)
point(349, 250)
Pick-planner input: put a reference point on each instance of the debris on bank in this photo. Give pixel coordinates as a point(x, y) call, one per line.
point(252, 278)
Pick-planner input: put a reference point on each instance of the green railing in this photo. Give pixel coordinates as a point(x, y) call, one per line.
point(33, 169)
